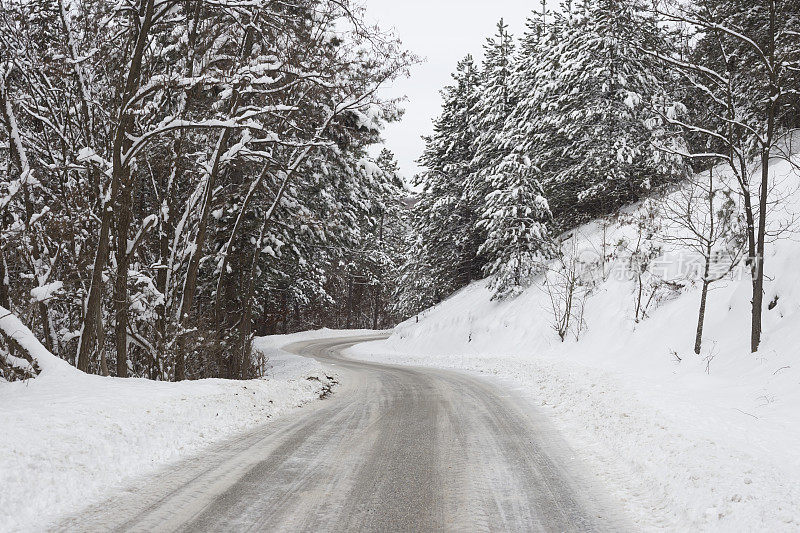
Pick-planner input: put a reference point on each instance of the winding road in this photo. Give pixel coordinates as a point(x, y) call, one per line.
point(394, 449)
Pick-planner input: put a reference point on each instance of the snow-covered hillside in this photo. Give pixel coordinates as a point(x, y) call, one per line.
point(69, 437)
point(700, 442)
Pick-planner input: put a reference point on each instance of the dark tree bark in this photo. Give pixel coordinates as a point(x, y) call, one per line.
point(121, 173)
point(349, 323)
point(5, 290)
point(758, 285)
point(698, 340)
point(119, 176)
point(378, 287)
point(92, 316)
point(190, 283)
point(123, 211)
point(167, 227)
point(701, 316)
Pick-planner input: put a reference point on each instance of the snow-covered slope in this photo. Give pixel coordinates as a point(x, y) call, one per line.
point(708, 442)
point(67, 437)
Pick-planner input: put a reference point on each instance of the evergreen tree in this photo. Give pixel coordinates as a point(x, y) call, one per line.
point(515, 220)
point(583, 115)
point(447, 213)
point(514, 213)
point(493, 107)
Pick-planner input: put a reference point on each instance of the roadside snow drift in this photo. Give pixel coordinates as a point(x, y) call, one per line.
point(68, 437)
point(685, 442)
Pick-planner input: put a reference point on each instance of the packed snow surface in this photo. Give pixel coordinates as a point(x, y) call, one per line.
point(68, 438)
point(707, 442)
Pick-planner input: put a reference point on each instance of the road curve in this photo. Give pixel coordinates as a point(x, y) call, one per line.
point(395, 449)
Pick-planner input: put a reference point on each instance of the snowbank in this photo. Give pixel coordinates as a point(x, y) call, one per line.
point(67, 437)
point(686, 442)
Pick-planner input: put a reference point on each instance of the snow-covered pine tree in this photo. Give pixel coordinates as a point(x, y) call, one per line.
point(583, 114)
point(387, 231)
point(446, 215)
point(515, 220)
point(493, 106)
point(513, 211)
point(417, 290)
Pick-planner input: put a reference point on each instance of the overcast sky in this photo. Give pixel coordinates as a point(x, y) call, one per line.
point(442, 31)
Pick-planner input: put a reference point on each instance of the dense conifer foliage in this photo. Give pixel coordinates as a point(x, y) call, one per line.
point(598, 105)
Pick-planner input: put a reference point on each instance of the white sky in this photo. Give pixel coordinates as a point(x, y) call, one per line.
point(441, 31)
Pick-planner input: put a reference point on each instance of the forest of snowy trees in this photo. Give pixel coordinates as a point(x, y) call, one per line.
point(181, 175)
point(597, 106)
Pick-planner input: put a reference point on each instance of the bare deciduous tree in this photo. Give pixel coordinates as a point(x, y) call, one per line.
point(748, 88)
point(703, 218)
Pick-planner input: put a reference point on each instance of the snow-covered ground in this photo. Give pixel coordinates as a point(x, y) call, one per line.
point(67, 437)
point(686, 442)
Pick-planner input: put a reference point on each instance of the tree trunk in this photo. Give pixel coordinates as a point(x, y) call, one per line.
point(92, 316)
point(758, 285)
point(5, 284)
point(5, 292)
point(165, 229)
point(378, 287)
point(349, 302)
point(5, 289)
point(698, 340)
point(639, 295)
point(123, 209)
point(44, 312)
point(758, 280)
point(242, 359)
point(119, 175)
point(190, 284)
point(180, 356)
point(286, 312)
point(376, 315)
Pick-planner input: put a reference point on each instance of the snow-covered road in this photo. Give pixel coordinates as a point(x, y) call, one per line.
point(395, 449)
